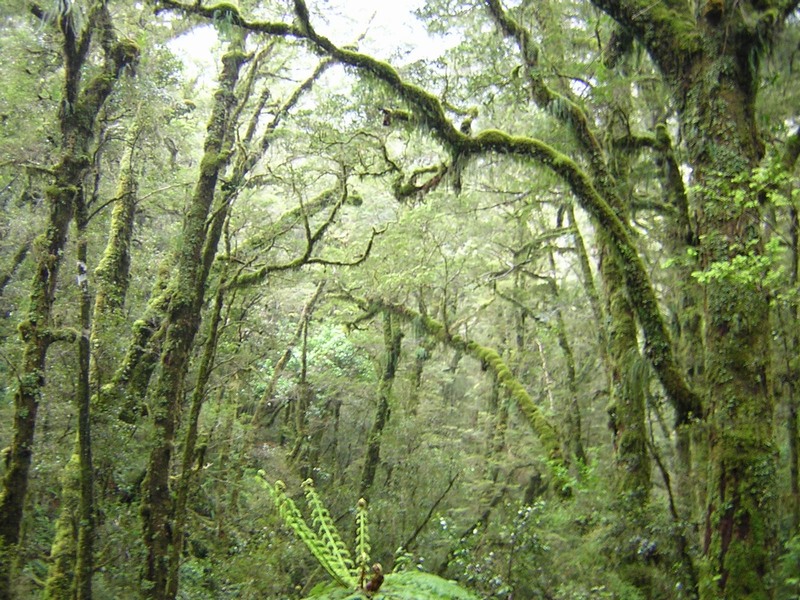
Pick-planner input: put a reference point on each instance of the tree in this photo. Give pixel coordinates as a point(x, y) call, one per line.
point(78, 112)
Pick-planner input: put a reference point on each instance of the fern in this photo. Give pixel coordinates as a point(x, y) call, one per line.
point(337, 554)
point(327, 547)
point(362, 539)
point(409, 585)
point(326, 555)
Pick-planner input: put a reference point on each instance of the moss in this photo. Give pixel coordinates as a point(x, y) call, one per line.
point(546, 431)
point(127, 52)
point(213, 161)
point(26, 329)
point(61, 193)
point(492, 137)
point(63, 550)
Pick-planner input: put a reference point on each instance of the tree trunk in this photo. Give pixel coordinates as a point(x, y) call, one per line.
point(77, 119)
point(84, 560)
point(792, 375)
point(191, 462)
point(710, 60)
point(63, 550)
point(740, 529)
point(186, 291)
point(392, 337)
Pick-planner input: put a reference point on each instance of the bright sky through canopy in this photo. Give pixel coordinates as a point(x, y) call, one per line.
point(390, 30)
point(390, 27)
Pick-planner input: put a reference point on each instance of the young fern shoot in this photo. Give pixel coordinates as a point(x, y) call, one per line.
point(331, 554)
point(362, 541)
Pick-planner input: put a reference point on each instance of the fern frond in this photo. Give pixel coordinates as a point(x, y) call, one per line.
point(336, 552)
point(362, 538)
point(293, 518)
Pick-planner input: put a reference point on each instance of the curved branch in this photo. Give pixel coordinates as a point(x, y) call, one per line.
point(562, 107)
point(658, 345)
point(312, 238)
point(545, 431)
point(667, 29)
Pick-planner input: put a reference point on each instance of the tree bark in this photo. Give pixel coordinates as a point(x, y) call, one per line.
point(80, 107)
point(191, 461)
point(186, 291)
point(392, 337)
point(84, 559)
point(710, 61)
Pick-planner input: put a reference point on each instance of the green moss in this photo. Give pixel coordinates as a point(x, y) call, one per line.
point(212, 162)
point(492, 136)
point(64, 547)
point(127, 52)
point(26, 330)
point(60, 193)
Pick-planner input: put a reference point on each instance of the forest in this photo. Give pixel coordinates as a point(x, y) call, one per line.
point(490, 299)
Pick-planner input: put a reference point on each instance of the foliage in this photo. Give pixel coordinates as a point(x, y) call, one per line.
point(508, 161)
point(325, 544)
point(330, 551)
point(789, 569)
point(414, 585)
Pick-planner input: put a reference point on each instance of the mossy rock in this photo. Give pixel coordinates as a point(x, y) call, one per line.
point(408, 585)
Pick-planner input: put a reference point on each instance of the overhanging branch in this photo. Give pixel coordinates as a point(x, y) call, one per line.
point(658, 345)
point(542, 427)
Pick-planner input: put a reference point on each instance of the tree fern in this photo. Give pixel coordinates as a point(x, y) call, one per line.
point(335, 550)
point(408, 585)
point(327, 547)
point(362, 539)
point(326, 554)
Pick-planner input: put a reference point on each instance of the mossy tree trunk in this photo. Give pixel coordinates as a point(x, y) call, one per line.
point(80, 106)
point(70, 570)
point(791, 347)
point(710, 61)
point(63, 549)
point(186, 293)
point(740, 525)
point(84, 559)
point(112, 275)
point(192, 460)
point(789, 317)
point(392, 338)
